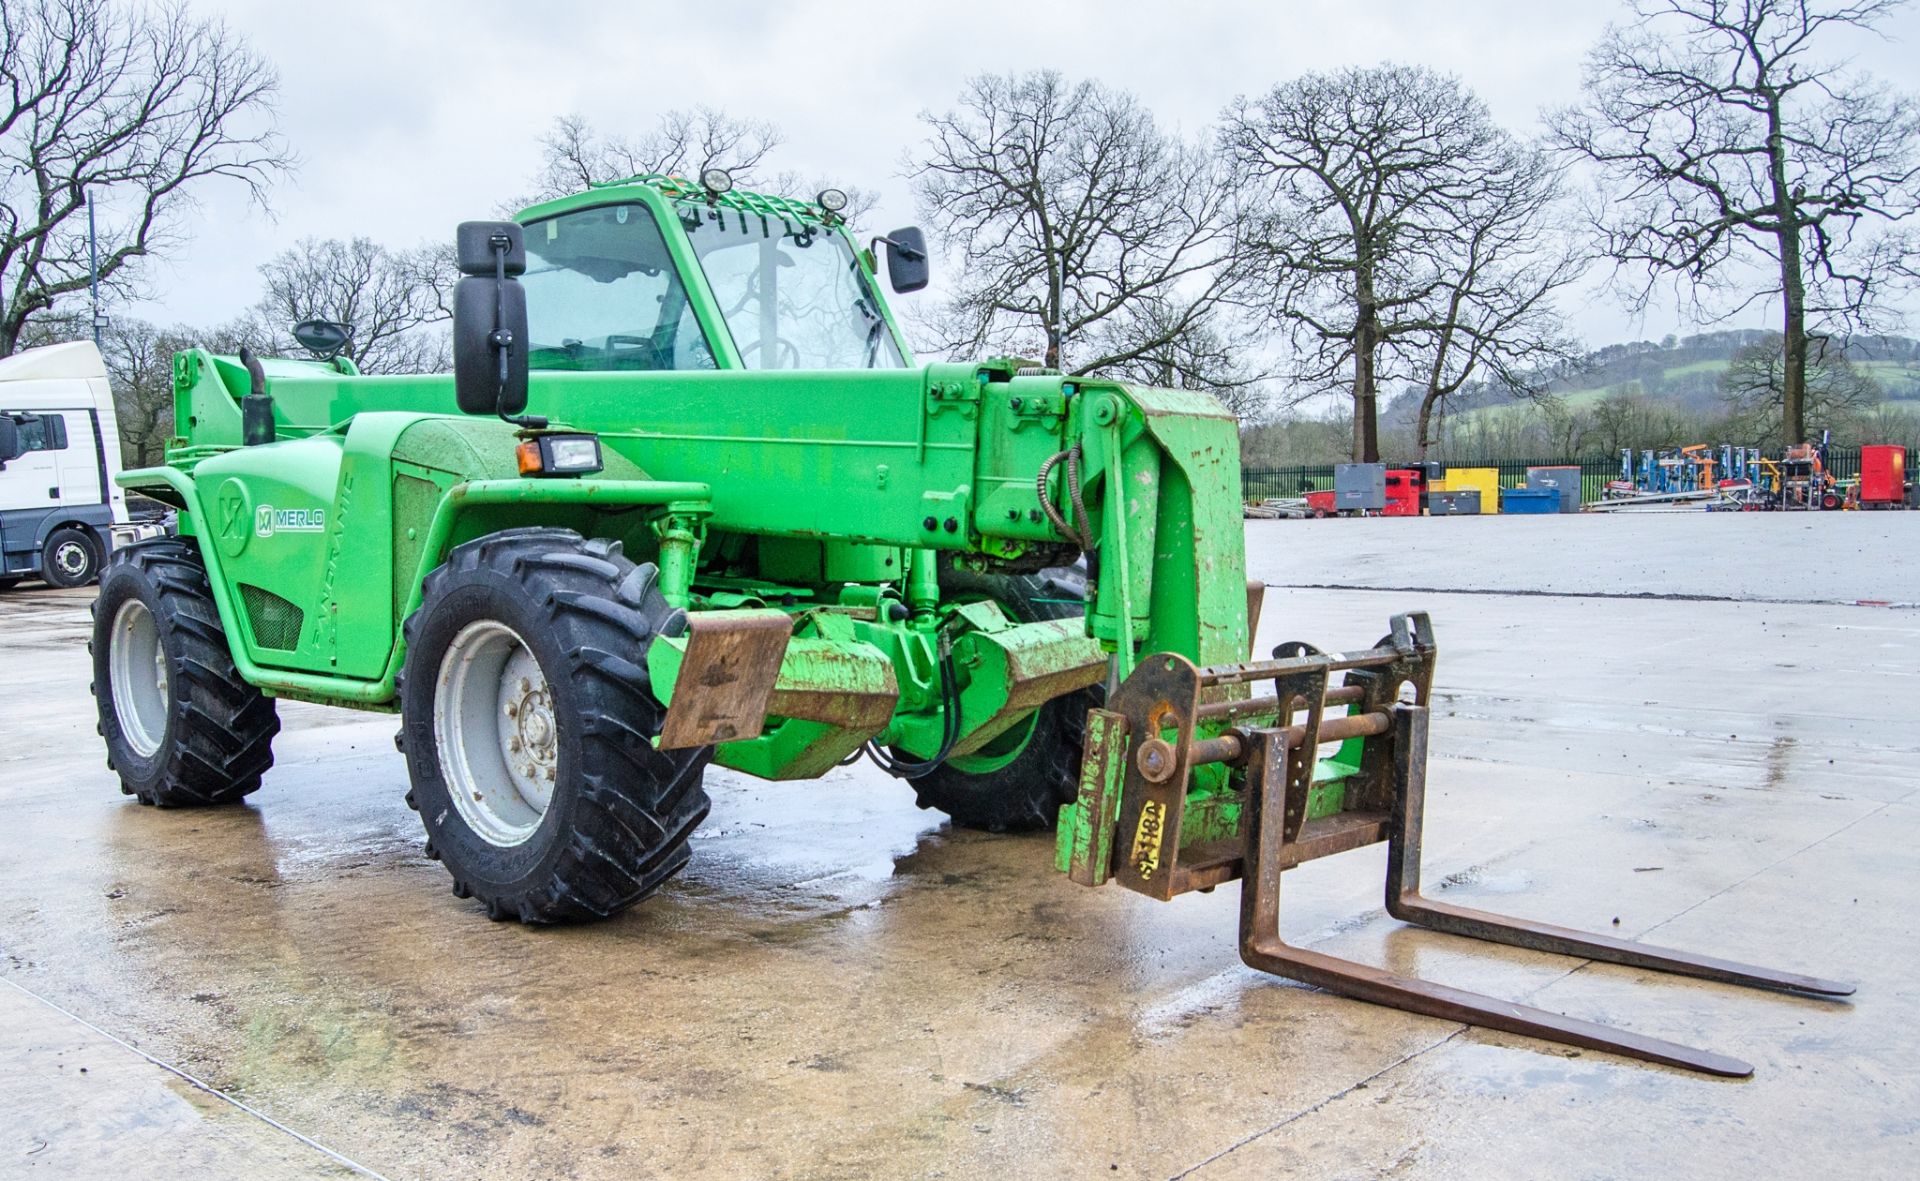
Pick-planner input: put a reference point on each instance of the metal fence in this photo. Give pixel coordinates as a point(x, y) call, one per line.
point(1595, 471)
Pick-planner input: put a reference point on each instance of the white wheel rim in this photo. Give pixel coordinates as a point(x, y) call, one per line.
point(137, 678)
point(494, 725)
point(70, 557)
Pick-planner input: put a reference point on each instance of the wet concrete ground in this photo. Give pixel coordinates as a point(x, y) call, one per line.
point(840, 986)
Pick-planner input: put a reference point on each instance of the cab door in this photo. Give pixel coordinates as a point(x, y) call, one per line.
point(78, 463)
point(30, 485)
point(33, 480)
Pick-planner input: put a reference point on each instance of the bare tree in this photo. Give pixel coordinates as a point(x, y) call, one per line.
point(1209, 355)
point(1088, 237)
point(390, 299)
point(1627, 417)
point(136, 108)
point(1567, 427)
point(1360, 174)
point(576, 156)
point(1836, 394)
point(139, 360)
point(1723, 142)
point(1493, 313)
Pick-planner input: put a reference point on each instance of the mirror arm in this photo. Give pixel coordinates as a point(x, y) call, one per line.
point(907, 252)
point(502, 338)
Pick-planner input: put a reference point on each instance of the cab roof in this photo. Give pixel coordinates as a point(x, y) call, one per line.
point(74, 359)
point(679, 188)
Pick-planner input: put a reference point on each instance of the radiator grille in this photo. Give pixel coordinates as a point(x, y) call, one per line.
point(275, 621)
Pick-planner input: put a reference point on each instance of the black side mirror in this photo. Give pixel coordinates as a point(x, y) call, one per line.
point(9, 439)
point(908, 267)
point(490, 320)
point(323, 338)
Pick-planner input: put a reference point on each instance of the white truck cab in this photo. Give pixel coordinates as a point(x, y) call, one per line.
point(60, 511)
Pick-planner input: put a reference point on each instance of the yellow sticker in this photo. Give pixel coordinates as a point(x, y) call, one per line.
point(1147, 837)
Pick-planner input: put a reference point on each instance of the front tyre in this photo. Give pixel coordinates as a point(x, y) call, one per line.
point(527, 720)
point(71, 558)
point(181, 726)
point(1018, 781)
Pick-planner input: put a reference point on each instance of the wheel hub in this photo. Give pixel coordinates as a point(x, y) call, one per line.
point(497, 733)
point(533, 735)
point(137, 678)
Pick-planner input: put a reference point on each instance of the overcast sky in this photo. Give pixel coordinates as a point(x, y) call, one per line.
point(411, 115)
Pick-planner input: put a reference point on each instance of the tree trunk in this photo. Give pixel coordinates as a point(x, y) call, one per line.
point(1427, 403)
point(1366, 442)
point(1793, 368)
point(1793, 285)
point(1366, 425)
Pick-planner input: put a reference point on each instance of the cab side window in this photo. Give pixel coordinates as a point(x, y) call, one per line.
point(46, 431)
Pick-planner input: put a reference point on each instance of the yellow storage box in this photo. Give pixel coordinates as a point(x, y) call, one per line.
point(1485, 480)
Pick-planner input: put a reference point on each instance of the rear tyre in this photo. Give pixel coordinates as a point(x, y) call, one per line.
point(71, 558)
point(527, 717)
point(181, 726)
point(1018, 782)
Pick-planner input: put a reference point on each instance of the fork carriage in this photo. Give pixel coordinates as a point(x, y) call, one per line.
point(1156, 813)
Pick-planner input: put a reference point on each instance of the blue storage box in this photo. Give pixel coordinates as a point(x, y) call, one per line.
point(1530, 500)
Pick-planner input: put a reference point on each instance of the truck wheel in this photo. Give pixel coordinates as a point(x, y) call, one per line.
point(182, 728)
point(527, 717)
point(71, 558)
point(1017, 782)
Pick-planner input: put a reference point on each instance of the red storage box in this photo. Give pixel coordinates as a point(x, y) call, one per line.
point(1883, 474)
point(1404, 486)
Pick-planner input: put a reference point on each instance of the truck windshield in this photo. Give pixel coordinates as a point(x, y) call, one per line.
point(794, 296)
point(602, 293)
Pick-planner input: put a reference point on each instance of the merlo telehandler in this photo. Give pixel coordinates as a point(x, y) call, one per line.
point(686, 499)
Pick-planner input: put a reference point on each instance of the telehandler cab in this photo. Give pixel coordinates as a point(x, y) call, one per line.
point(687, 499)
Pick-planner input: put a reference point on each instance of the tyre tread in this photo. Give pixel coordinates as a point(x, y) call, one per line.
point(636, 807)
point(223, 727)
point(1026, 794)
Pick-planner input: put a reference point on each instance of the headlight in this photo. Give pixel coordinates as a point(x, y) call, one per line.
point(716, 180)
point(832, 200)
point(560, 455)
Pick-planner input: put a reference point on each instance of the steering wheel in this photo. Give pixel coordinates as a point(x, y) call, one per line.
point(634, 344)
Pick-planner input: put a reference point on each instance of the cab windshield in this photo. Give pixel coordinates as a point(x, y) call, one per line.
point(793, 294)
point(602, 293)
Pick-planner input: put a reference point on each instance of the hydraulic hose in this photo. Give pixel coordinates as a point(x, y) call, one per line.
point(1071, 457)
point(949, 730)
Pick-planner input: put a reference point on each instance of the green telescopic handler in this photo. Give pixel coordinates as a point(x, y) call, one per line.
point(687, 499)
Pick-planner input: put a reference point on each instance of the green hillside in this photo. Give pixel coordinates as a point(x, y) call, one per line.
point(1686, 373)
